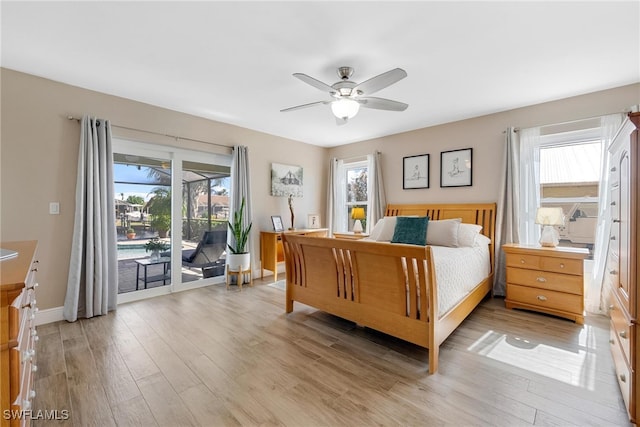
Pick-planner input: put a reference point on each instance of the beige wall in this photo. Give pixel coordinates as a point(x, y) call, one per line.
point(483, 134)
point(38, 157)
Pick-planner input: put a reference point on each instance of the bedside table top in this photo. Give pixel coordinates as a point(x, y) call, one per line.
point(558, 251)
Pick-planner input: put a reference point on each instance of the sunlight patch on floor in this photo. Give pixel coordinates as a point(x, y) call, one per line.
point(570, 362)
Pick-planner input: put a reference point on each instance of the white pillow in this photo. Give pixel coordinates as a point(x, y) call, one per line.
point(443, 232)
point(376, 230)
point(467, 234)
point(481, 239)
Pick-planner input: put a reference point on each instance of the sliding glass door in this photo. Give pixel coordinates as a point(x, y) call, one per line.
point(171, 211)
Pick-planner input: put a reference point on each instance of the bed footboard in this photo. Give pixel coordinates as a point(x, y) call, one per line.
point(390, 288)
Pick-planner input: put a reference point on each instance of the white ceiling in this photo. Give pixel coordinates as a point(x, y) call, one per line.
point(233, 61)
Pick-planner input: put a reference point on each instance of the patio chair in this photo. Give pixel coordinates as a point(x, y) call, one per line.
point(207, 255)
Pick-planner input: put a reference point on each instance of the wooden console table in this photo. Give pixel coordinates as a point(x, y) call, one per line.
point(271, 252)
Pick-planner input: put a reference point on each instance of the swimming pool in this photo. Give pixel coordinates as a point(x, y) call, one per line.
point(130, 251)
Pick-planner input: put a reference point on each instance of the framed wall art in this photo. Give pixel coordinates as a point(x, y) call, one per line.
point(456, 168)
point(276, 220)
point(415, 171)
point(313, 221)
point(286, 180)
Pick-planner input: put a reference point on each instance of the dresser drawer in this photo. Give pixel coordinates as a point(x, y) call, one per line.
point(545, 280)
point(545, 298)
point(621, 326)
point(538, 262)
point(623, 372)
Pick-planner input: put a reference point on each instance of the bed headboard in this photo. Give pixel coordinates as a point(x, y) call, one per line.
point(483, 214)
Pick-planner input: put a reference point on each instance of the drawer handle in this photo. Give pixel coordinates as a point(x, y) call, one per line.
point(613, 169)
point(541, 279)
point(522, 261)
point(34, 368)
point(616, 220)
point(561, 265)
point(611, 341)
point(611, 307)
point(623, 334)
point(26, 405)
point(613, 237)
point(623, 378)
point(613, 203)
point(28, 355)
point(614, 272)
point(35, 270)
point(30, 304)
point(541, 298)
point(35, 285)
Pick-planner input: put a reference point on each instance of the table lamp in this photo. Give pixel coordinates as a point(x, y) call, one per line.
point(548, 217)
point(357, 214)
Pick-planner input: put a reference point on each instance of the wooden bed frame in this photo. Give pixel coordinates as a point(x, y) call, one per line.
point(365, 282)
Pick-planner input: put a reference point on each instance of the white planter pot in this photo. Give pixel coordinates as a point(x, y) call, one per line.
point(238, 262)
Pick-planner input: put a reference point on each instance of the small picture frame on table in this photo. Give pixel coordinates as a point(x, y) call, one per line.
point(415, 171)
point(276, 220)
point(313, 221)
point(456, 168)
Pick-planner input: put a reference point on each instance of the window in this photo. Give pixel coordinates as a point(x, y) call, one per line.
point(352, 191)
point(357, 193)
point(569, 176)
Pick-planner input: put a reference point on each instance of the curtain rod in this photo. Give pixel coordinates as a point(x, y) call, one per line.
point(576, 120)
point(161, 134)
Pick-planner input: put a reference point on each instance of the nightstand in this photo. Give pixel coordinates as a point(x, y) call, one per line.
point(548, 280)
point(349, 235)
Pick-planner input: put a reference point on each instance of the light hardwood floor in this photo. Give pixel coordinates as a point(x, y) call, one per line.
point(215, 357)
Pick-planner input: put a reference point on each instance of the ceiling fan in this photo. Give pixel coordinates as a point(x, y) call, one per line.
point(348, 96)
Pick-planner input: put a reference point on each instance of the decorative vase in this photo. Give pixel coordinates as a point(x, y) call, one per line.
point(155, 255)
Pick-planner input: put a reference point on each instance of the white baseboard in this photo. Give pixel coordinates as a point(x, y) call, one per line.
point(55, 314)
point(49, 315)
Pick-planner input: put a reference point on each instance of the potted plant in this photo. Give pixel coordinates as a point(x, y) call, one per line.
point(159, 206)
point(239, 259)
point(131, 233)
point(155, 245)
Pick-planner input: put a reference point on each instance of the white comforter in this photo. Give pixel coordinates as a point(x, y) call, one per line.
point(458, 271)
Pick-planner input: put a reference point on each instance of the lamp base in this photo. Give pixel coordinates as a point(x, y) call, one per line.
point(357, 226)
point(549, 237)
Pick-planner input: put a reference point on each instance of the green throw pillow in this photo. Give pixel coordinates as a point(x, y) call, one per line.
point(411, 230)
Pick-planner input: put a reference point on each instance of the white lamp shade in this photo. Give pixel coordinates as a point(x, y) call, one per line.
point(550, 216)
point(345, 108)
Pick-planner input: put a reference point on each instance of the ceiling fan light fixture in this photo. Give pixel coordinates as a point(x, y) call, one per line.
point(345, 108)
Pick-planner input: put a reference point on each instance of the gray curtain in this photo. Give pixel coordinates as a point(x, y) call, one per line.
point(92, 285)
point(241, 188)
point(507, 217)
point(378, 198)
point(332, 195)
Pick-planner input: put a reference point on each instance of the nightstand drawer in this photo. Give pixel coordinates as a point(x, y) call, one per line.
point(537, 262)
point(545, 280)
point(545, 298)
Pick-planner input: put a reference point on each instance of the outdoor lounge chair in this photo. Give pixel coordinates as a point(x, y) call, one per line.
point(208, 254)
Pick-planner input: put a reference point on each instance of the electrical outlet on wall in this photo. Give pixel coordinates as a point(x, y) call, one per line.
point(54, 208)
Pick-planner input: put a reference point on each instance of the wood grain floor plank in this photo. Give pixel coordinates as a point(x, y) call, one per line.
point(210, 356)
point(166, 405)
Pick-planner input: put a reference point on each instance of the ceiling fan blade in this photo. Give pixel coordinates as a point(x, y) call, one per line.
point(299, 107)
point(381, 103)
point(315, 83)
point(381, 81)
